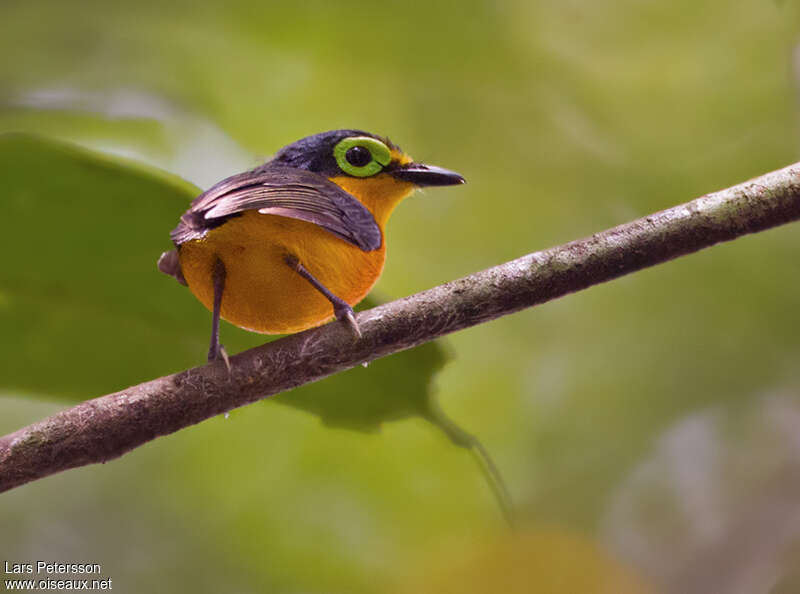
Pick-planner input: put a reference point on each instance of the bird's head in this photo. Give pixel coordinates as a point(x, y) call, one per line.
point(369, 167)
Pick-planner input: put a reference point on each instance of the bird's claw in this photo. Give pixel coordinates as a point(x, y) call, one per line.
point(220, 353)
point(225, 358)
point(345, 314)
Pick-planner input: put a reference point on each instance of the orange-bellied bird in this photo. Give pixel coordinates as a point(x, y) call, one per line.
point(298, 240)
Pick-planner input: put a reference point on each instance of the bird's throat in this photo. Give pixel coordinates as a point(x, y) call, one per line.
point(380, 193)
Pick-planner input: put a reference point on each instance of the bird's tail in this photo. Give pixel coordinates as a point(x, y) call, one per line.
point(169, 264)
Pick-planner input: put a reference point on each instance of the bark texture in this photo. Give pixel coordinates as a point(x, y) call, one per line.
point(106, 427)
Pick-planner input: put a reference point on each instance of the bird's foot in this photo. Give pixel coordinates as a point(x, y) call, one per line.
point(218, 352)
point(344, 313)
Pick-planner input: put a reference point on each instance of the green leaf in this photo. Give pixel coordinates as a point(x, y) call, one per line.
point(84, 311)
point(389, 389)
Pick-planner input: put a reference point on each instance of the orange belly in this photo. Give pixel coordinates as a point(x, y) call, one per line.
point(262, 293)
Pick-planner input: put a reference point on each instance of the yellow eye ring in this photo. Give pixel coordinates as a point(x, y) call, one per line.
point(351, 152)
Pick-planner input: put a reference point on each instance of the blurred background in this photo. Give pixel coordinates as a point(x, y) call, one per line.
point(648, 429)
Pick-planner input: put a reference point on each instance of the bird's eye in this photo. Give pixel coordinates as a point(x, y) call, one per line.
point(358, 156)
point(361, 156)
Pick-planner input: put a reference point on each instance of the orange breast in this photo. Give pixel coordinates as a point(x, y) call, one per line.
point(262, 293)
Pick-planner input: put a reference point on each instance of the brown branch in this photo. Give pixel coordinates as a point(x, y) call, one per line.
point(107, 427)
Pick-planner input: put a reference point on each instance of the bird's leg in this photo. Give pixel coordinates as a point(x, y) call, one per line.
point(341, 308)
point(216, 350)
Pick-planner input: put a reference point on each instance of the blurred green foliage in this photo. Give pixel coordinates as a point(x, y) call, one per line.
point(626, 413)
point(81, 302)
point(80, 299)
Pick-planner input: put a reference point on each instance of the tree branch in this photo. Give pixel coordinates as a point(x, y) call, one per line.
point(107, 427)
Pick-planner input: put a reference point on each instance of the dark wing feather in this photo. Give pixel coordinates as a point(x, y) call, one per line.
point(284, 191)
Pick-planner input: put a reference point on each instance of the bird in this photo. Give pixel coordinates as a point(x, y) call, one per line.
point(298, 240)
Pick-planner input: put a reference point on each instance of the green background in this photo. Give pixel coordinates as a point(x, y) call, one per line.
point(646, 428)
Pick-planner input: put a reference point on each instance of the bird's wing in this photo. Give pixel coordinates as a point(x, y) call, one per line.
point(283, 191)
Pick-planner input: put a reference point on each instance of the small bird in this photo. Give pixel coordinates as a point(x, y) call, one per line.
point(299, 239)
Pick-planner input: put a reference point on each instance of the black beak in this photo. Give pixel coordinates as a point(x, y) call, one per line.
point(427, 175)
